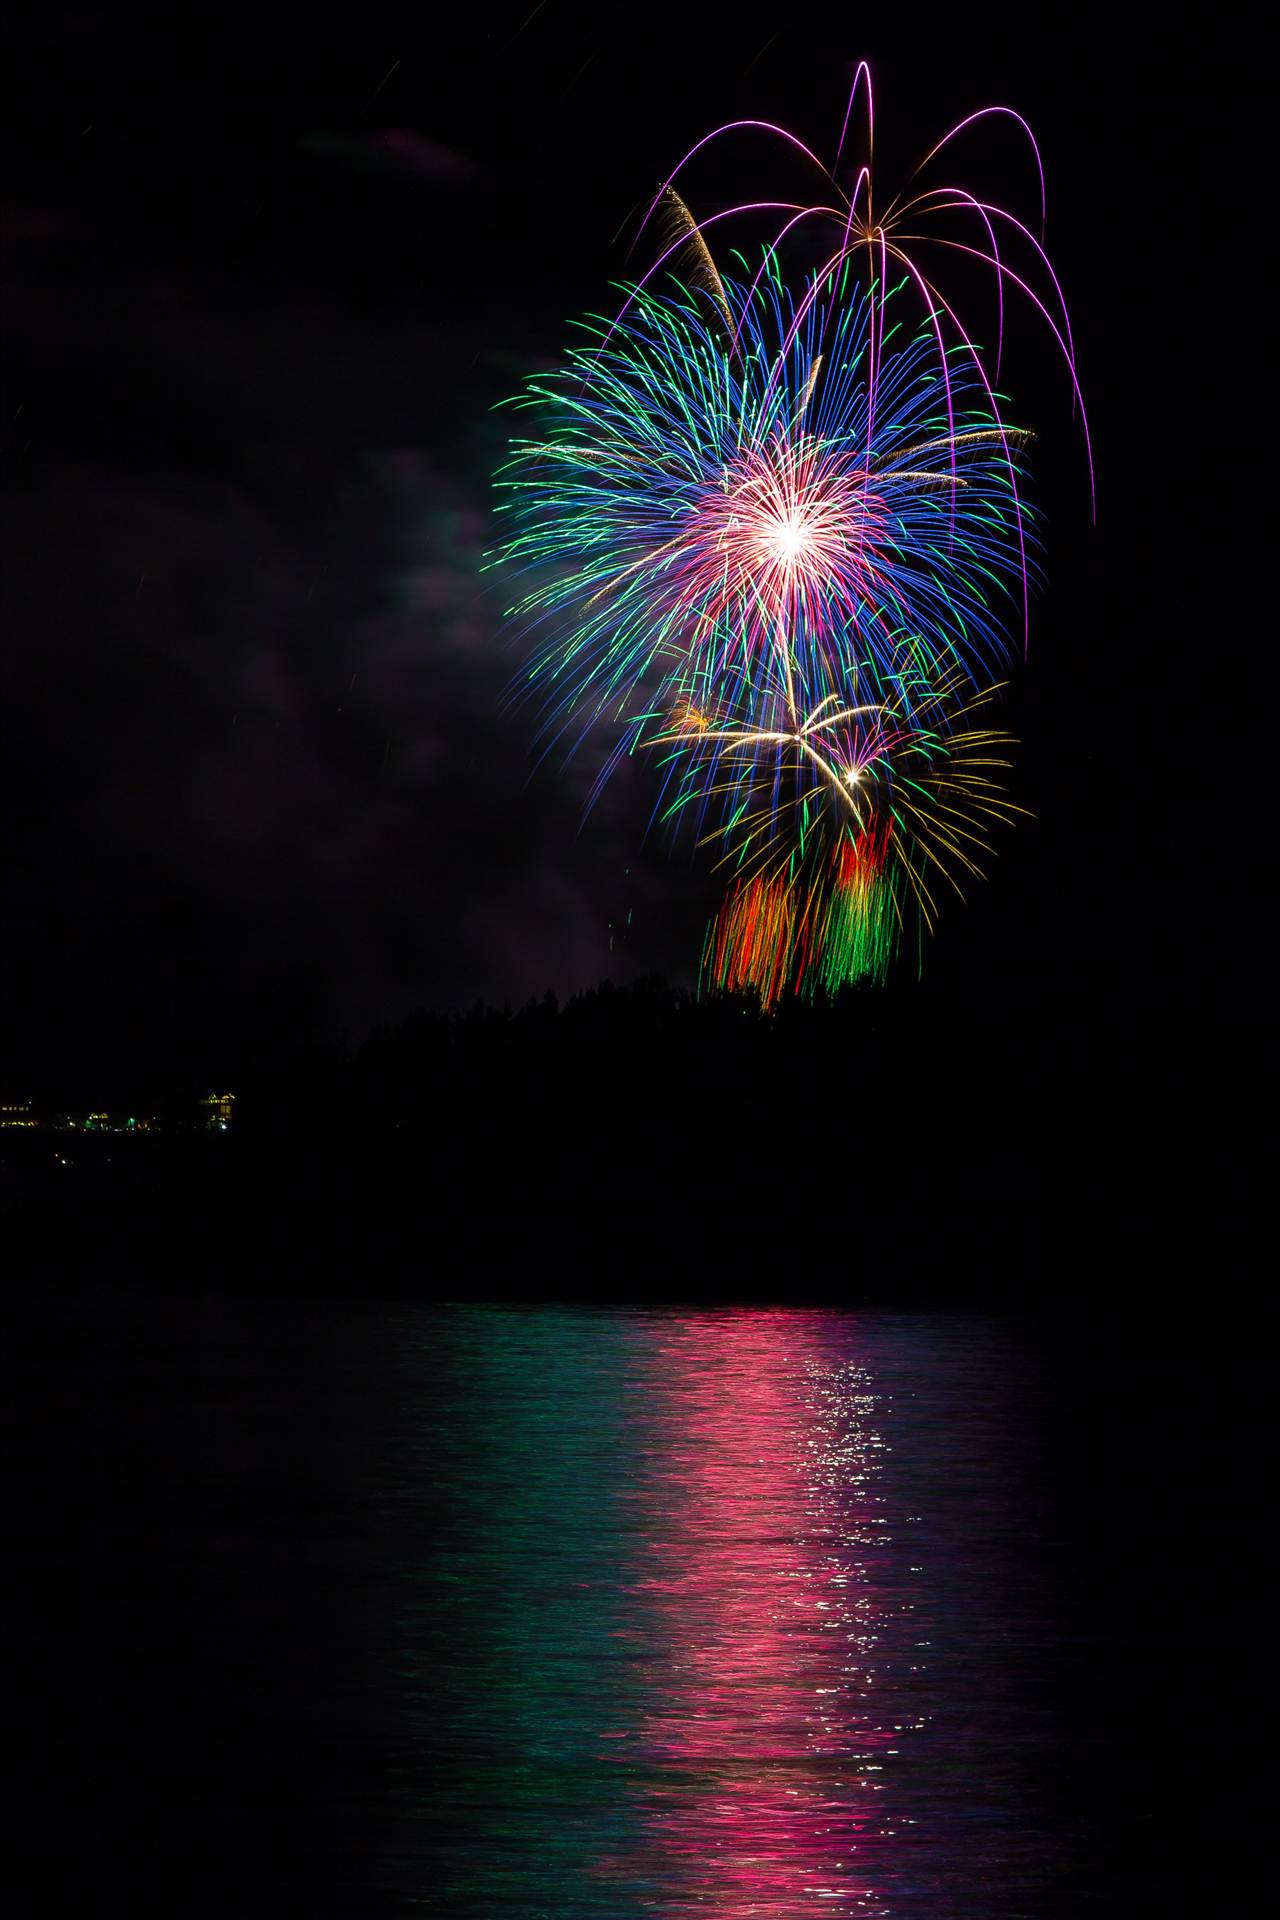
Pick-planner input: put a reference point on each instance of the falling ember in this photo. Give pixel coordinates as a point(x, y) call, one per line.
point(766, 939)
point(750, 941)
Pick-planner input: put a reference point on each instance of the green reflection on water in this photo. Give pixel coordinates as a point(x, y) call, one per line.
point(520, 1677)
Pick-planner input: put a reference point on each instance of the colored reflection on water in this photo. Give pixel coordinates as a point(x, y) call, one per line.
point(725, 1611)
point(768, 1588)
point(556, 1614)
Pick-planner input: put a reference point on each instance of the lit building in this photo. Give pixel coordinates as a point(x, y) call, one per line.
point(17, 1113)
point(219, 1111)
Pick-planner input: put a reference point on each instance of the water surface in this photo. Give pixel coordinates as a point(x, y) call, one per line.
point(564, 1614)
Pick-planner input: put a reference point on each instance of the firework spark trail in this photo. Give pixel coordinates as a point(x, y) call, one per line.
point(688, 512)
point(770, 534)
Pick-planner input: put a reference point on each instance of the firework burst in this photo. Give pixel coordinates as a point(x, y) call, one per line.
point(771, 535)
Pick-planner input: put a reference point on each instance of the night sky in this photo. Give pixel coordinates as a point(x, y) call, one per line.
point(264, 284)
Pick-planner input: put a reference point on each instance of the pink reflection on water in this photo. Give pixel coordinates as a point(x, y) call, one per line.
point(760, 1774)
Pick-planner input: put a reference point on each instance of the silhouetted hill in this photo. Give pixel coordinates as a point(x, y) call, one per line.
point(891, 1147)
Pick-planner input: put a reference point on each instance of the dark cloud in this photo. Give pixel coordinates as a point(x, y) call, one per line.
point(421, 156)
point(257, 714)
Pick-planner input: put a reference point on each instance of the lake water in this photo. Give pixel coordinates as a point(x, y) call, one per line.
point(562, 1614)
